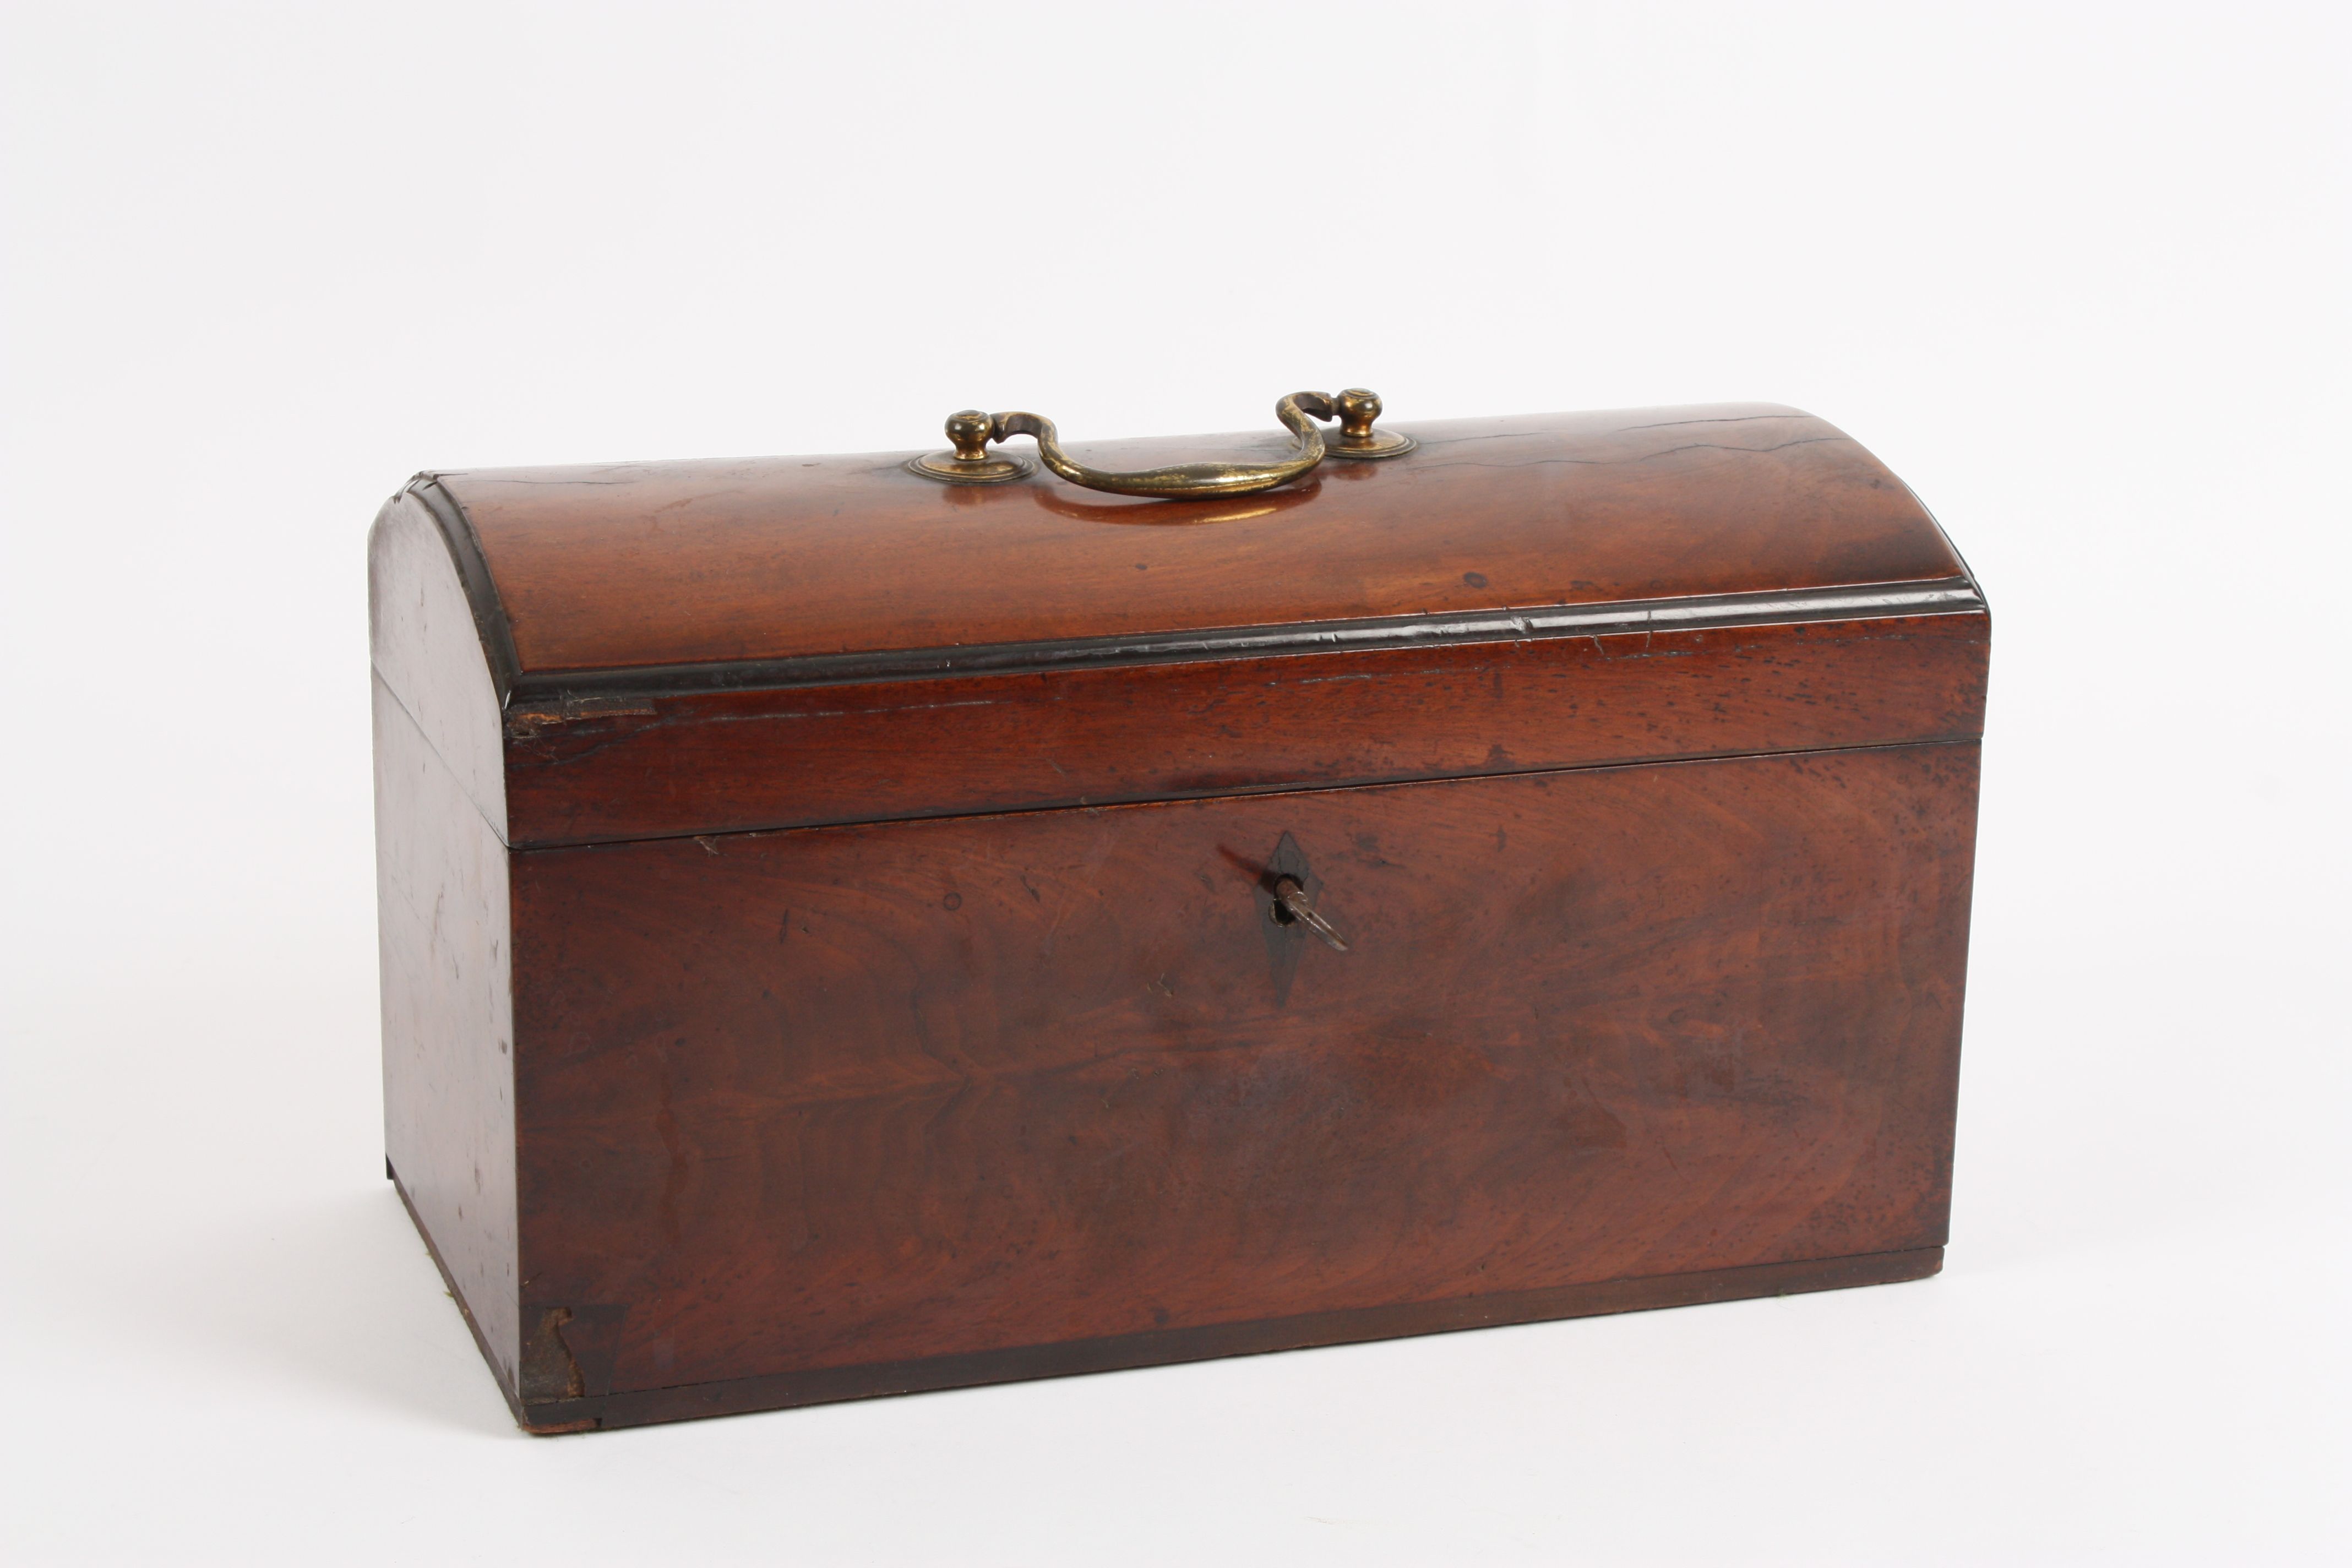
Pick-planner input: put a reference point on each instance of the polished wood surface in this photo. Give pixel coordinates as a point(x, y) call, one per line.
point(428, 657)
point(864, 1095)
point(766, 1033)
point(663, 564)
point(1162, 1347)
point(665, 764)
point(442, 932)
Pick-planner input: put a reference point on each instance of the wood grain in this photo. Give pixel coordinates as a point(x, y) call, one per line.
point(442, 933)
point(658, 563)
point(826, 949)
point(863, 1096)
point(734, 761)
point(1165, 1346)
point(423, 642)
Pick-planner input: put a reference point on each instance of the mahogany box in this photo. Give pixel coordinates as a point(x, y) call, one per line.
point(846, 929)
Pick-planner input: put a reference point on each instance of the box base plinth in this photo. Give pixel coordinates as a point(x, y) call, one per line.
point(781, 1391)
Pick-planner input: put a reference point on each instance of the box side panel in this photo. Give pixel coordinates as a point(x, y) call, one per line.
point(870, 1096)
point(423, 639)
point(448, 1024)
point(659, 765)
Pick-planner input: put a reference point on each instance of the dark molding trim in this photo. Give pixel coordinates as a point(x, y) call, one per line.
point(1952, 595)
point(473, 572)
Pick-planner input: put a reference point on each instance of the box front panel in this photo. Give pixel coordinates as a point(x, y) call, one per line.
point(848, 1096)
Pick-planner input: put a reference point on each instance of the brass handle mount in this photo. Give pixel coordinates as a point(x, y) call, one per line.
point(968, 461)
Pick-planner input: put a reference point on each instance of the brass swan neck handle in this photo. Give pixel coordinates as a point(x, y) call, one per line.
point(1188, 478)
point(969, 462)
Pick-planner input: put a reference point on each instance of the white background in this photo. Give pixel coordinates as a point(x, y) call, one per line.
point(2077, 273)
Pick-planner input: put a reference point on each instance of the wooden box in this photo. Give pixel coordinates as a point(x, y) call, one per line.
point(843, 933)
